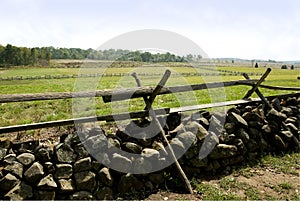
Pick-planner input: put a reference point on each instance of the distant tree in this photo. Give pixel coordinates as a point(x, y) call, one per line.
point(292, 67)
point(33, 56)
point(284, 67)
point(256, 65)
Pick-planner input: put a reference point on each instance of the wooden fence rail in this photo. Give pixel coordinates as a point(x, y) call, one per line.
point(119, 94)
point(43, 77)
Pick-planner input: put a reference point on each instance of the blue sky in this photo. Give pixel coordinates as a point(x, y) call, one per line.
point(261, 29)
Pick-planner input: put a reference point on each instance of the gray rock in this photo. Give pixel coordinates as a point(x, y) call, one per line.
point(83, 164)
point(8, 182)
point(143, 139)
point(81, 151)
point(159, 147)
point(188, 138)
point(63, 171)
point(113, 142)
point(292, 128)
point(66, 185)
point(223, 151)
point(255, 124)
point(14, 168)
point(293, 120)
point(21, 191)
point(254, 133)
point(49, 167)
point(34, 173)
point(229, 127)
point(197, 129)
point(287, 111)
point(286, 135)
point(105, 177)
point(44, 195)
point(209, 144)
point(177, 146)
point(82, 195)
point(105, 193)
point(47, 183)
point(156, 178)
point(241, 133)
point(103, 158)
point(196, 162)
point(3, 152)
point(276, 104)
point(85, 180)
point(279, 143)
point(26, 158)
point(275, 115)
point(121, 163)
point(129, 183)
point(132, 147)
point(252, 146)
point(192, 152)
point(232, 161)
point(237, 119)
point(5, 143)
point(96, 143)
point(64, 153)
point(72, 139)
point(143, 165)
point(28, 146)
point(266, 129)
point(9, 159)
point(240, 146)
point(212, 166)
point(43, 154)
point(96, 165)
point(216, 125)
point(204, 122)
point(150, 153)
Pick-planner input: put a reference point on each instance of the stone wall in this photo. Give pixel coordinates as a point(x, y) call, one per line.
point(210, 143)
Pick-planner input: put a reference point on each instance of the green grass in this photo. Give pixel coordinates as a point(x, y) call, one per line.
point(288, 164)
point(28, 112)
point(210, 192)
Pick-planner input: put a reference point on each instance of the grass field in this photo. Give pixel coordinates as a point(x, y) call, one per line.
point(39, 111)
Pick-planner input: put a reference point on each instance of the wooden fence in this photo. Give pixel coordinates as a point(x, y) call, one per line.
point(136, 92)
point(46, 77)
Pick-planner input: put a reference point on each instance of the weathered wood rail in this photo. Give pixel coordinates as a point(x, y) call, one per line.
point(121, 94)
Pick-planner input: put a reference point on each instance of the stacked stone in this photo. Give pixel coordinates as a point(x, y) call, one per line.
point(79, 166)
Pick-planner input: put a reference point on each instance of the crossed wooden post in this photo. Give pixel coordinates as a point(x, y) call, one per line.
point(148, 102)
point(256, 90)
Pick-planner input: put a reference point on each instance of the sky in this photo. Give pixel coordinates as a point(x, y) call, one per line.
point(248, 29)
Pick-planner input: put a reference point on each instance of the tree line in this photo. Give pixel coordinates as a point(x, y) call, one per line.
point(15, 56)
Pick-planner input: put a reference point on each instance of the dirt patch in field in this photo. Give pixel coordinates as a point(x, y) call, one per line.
point(257, 183)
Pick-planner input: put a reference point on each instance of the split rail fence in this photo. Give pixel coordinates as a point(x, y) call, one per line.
point(149, 94)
